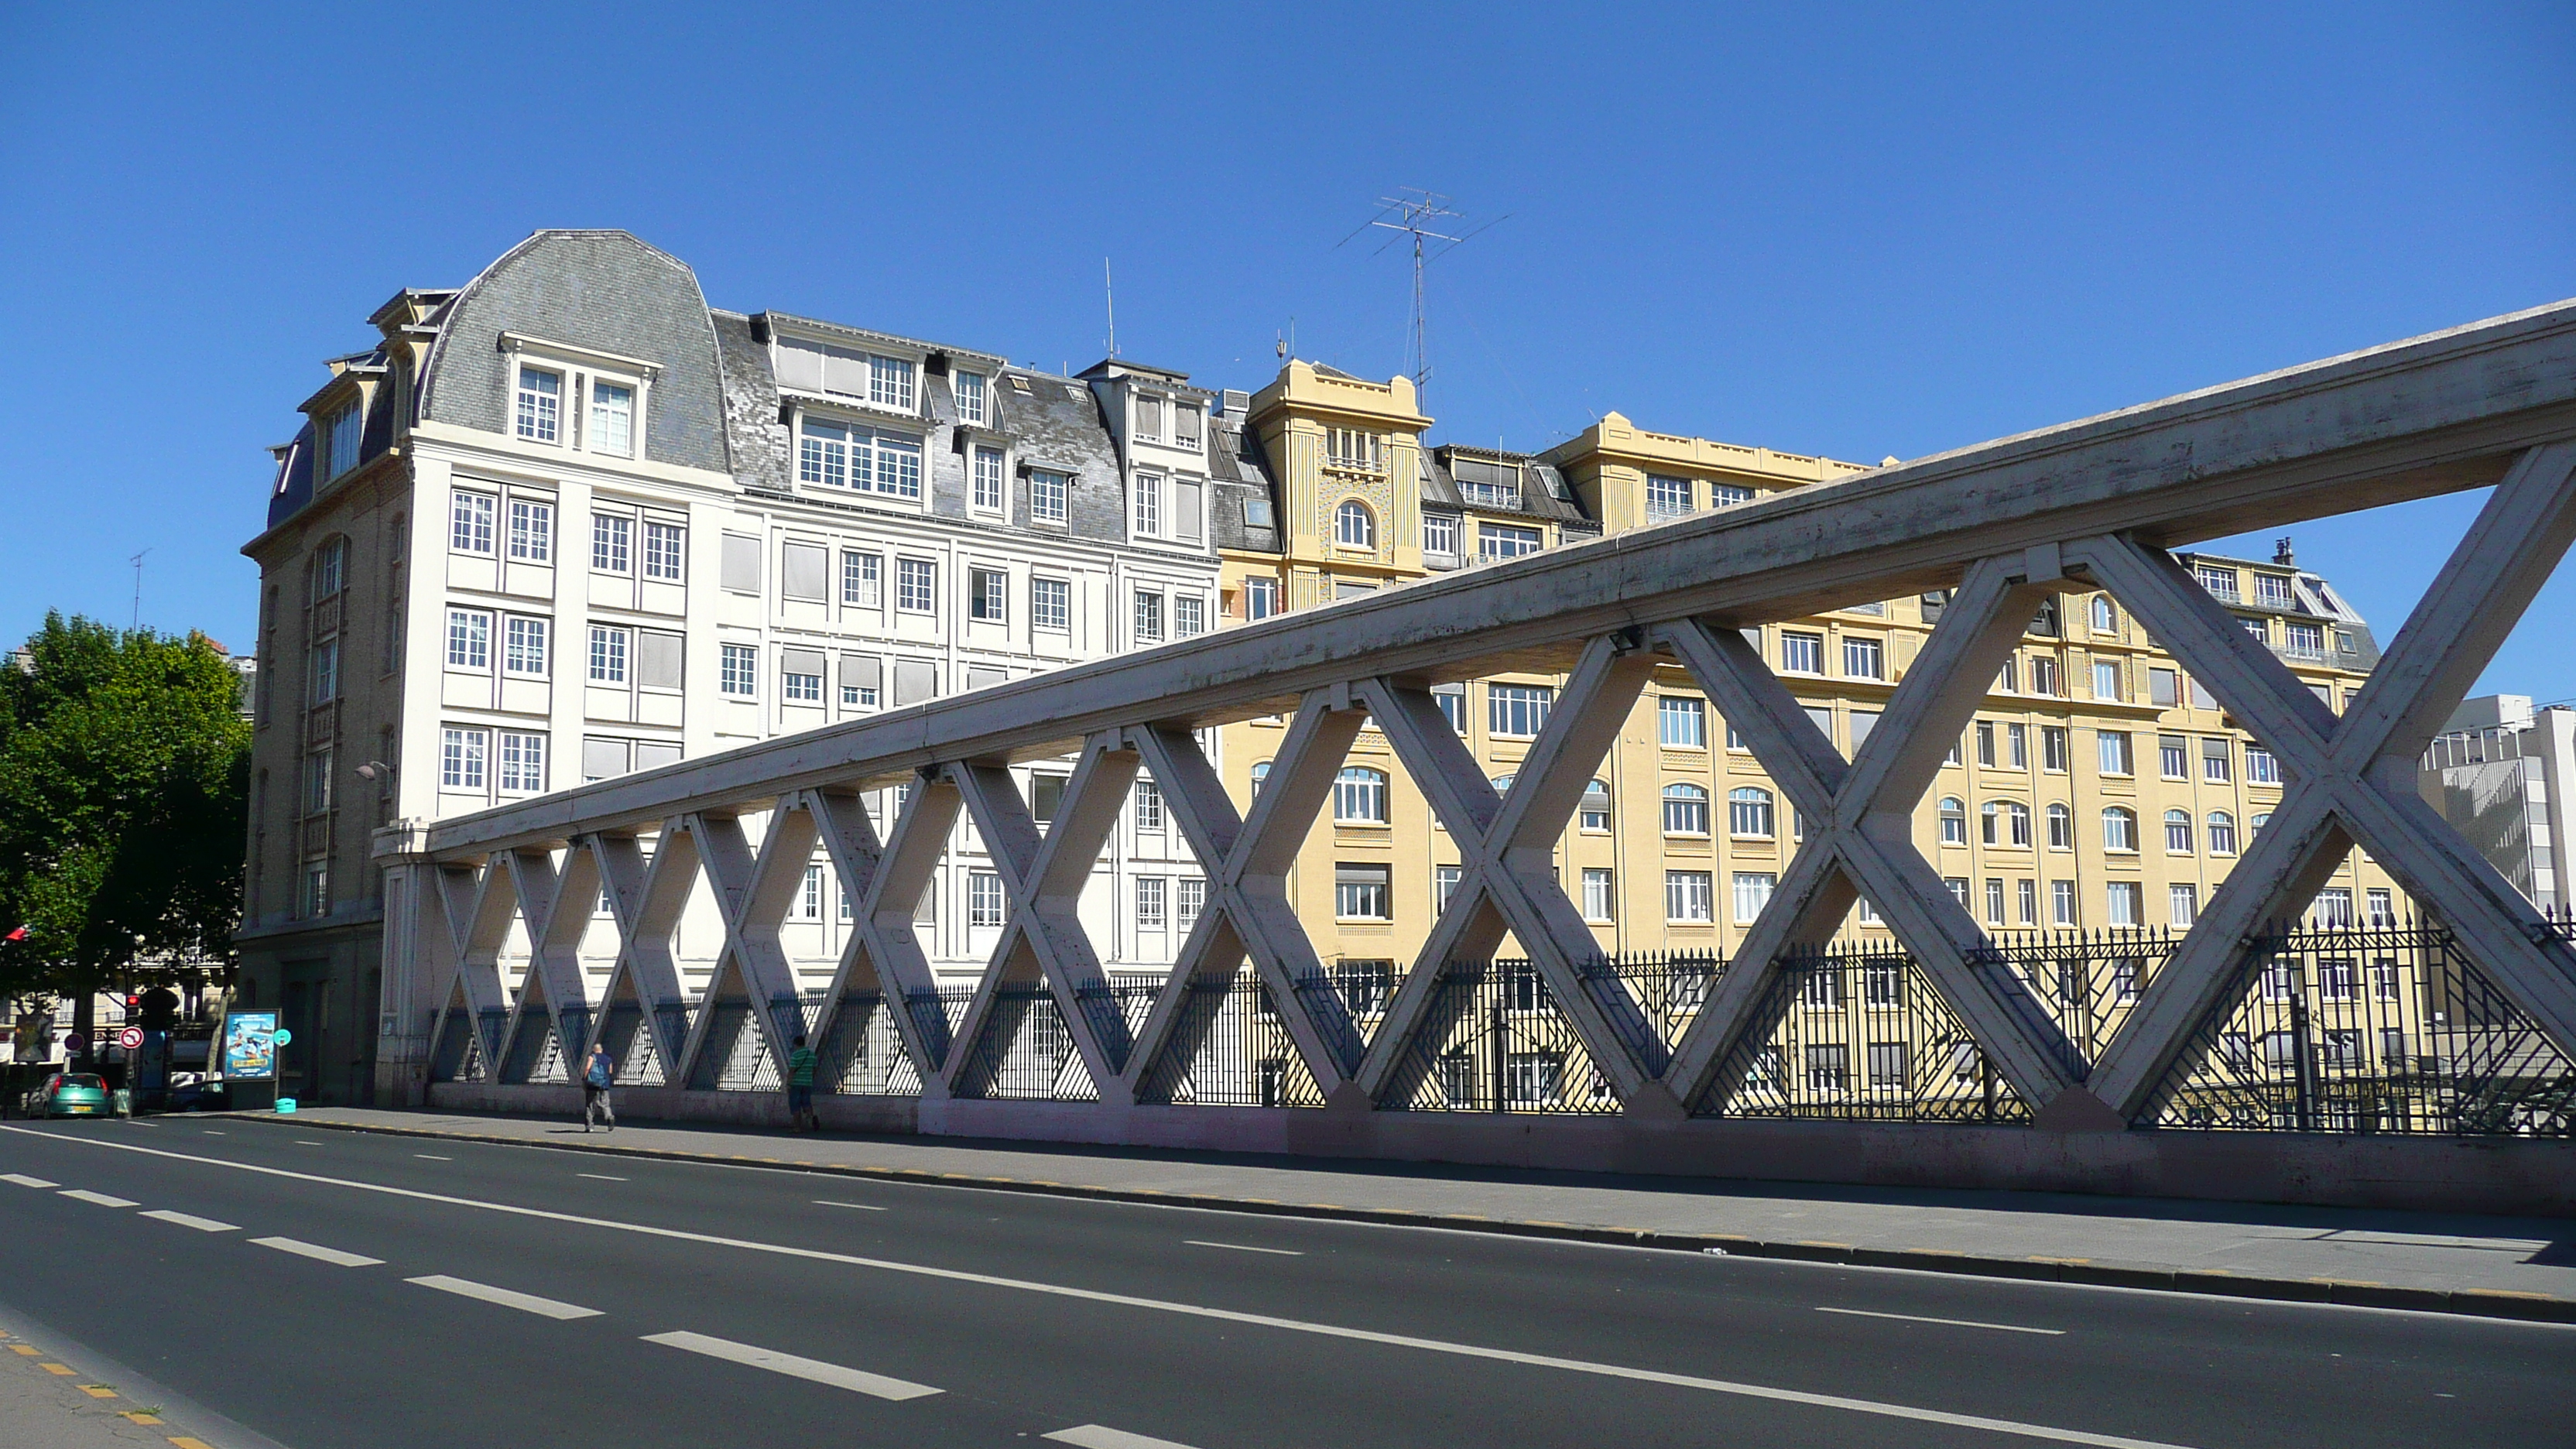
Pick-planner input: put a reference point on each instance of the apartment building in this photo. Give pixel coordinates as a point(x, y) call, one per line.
point(2500, 771)
point(2099, 786)
point(568, 521)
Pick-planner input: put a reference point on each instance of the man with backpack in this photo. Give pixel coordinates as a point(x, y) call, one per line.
point(596, 1079)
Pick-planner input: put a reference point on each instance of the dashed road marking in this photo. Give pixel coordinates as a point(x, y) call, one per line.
point(432, 1157)
point(23, 1180)
point(190, 1220)
point(599, 1177)
point(855, 1380)
point(102, 1199)
point(1101, 1436)
point(1242, 1248)
point(319, 1253)
point(1945, 1322)
point(524, 1302)
point(865, 1207)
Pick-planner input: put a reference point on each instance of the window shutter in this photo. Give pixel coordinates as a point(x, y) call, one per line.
point(742, 563)
point(915, 680)
point(801, 577)
point(1185, 509)
point(603, 759)
point(860, 671)
point(657, 658)
point(801, 661)
point(983, 678)
point(651, 754)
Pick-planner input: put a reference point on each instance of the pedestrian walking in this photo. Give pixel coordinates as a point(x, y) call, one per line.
point(596, 1079)
point(800, 1086)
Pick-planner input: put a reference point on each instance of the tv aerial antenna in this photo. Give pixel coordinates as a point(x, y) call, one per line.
point(1420, 216)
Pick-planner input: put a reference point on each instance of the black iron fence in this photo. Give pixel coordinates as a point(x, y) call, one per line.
point(1856, 1031)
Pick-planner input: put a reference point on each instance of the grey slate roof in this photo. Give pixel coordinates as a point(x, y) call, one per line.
point(1238, 474)
point(1543, 490)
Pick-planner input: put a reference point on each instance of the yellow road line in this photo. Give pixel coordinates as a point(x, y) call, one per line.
point(55, 1368)
point(98, 1391)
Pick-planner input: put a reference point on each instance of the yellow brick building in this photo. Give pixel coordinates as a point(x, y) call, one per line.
point(2099, 787)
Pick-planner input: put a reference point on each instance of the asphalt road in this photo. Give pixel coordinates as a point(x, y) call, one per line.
point(330, 1289)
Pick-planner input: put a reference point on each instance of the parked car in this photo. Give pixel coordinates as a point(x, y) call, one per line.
point(70, 1094)
point(195, 1097)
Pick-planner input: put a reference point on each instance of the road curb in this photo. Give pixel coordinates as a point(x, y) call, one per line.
point(2470, 1302)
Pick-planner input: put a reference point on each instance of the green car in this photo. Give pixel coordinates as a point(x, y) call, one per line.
point(71, 1094)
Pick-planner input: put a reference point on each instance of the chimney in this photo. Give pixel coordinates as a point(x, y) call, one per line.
point(2281, 552)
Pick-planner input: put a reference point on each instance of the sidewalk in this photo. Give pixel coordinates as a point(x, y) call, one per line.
point(47, 1402)
point(2496, 1266)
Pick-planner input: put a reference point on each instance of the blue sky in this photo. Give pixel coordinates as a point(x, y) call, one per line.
point(1851, 230)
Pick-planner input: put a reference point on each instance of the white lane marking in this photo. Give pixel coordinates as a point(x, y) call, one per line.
point(211, 1132)
point(432, 1157)
point(306, 1142)
point(1242, 1248)
point(102, 1199)
point(318, 1253)
point(186, 1220)
point(1946, 1322)
point(524, 1302)
point(130, 1122)
point(1193, 1310)
point(23, 1180)
point(855, 1380)
point(865, 1207)
point(1101, 1436)
point(599, 1177)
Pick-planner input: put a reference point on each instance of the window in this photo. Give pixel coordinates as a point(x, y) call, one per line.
point(1954, 821)
point(1599, 900)
point(1151, 891)
point(1149, 418)
point(2222, 833)
point(1189, 616)
point(2383, 909)
point(1802, 653)
point(532, 531)
point(1149, 805)
point(739, 671)
point(469, 641)
point(2334, 908)
point(1149, 617)
point(1050, 604)
point(823, 453)
point(2173, 757)
point(1360, 893)
point(2116, 758)
point(1359, 796)
point(1667, 497)
point(1864, 658)
point(1440, 533)
point(1353, 449)
point(1260, 777)
point(1828, 1067)
point(2120, 829)
point(342, 435)
point(2106, 679)
point(1189, 900)
point(2026, 893)
point(1749, 811)
point(2061, 827)
point(1149, 505)
point(916, 585)
point(1752, 893)
point(2272, 591)
point(2182, 903)
point(1596, 807)
point(1047, 492)
point(2219, 580)
point(2043, 675)
point(1046, 796)
point(1994, 901)
point(890, 382)
point(1681, 722)
point(608, 654)
point(1517, 711)
point(612, 418)
point(2216, 761)
point(540, 411)
point(317, 783)
point(2017, 742)
point(2255, 822)
point(970, 406)
point(2126, 899)
point(983, 898)
point(523, 647)
point(1354, 526)
point(1504, 540)
point(2261, 766)
point(988, 479)
point(523, 762)
point(1502, 785)
point(2053, 748)
point(1690, 897)
point(1985, 742)
point(2061, 903)
point(988, 595)
point(1685, 810)
point(1260, 598)
point(469, 526)
point(863, 580)
point(461, 755)
point(612, 541)
point(799, 688)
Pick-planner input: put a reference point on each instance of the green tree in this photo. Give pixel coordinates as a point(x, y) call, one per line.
point(123, 769)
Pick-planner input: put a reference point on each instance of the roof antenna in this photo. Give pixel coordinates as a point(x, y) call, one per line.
point(1415, 212)
point(1110, 290)
point(137, 621)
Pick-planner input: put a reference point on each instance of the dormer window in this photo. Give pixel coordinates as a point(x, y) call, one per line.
point(970, 398)
point(1149, 419)
point(890, 382)
point(612, 418)
point(540, 410)
point(1185, 424)
point(341, 434)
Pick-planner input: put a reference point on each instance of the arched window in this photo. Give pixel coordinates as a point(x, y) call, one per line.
point(1502, 785)
point(2017, 816)
point(2061, 828)
point(1359, 796)
point(2177, 832)
point(1596, 806)
point(1354, 526)
point(2222, 833)
point(1748, 811)
point(2106, 615)
point(1685, 810)
point(2119, 828)
point(1260, 775)
point(1954, 821)
point(2254, 823)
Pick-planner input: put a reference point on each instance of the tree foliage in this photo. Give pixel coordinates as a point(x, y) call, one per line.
point(124, 763)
